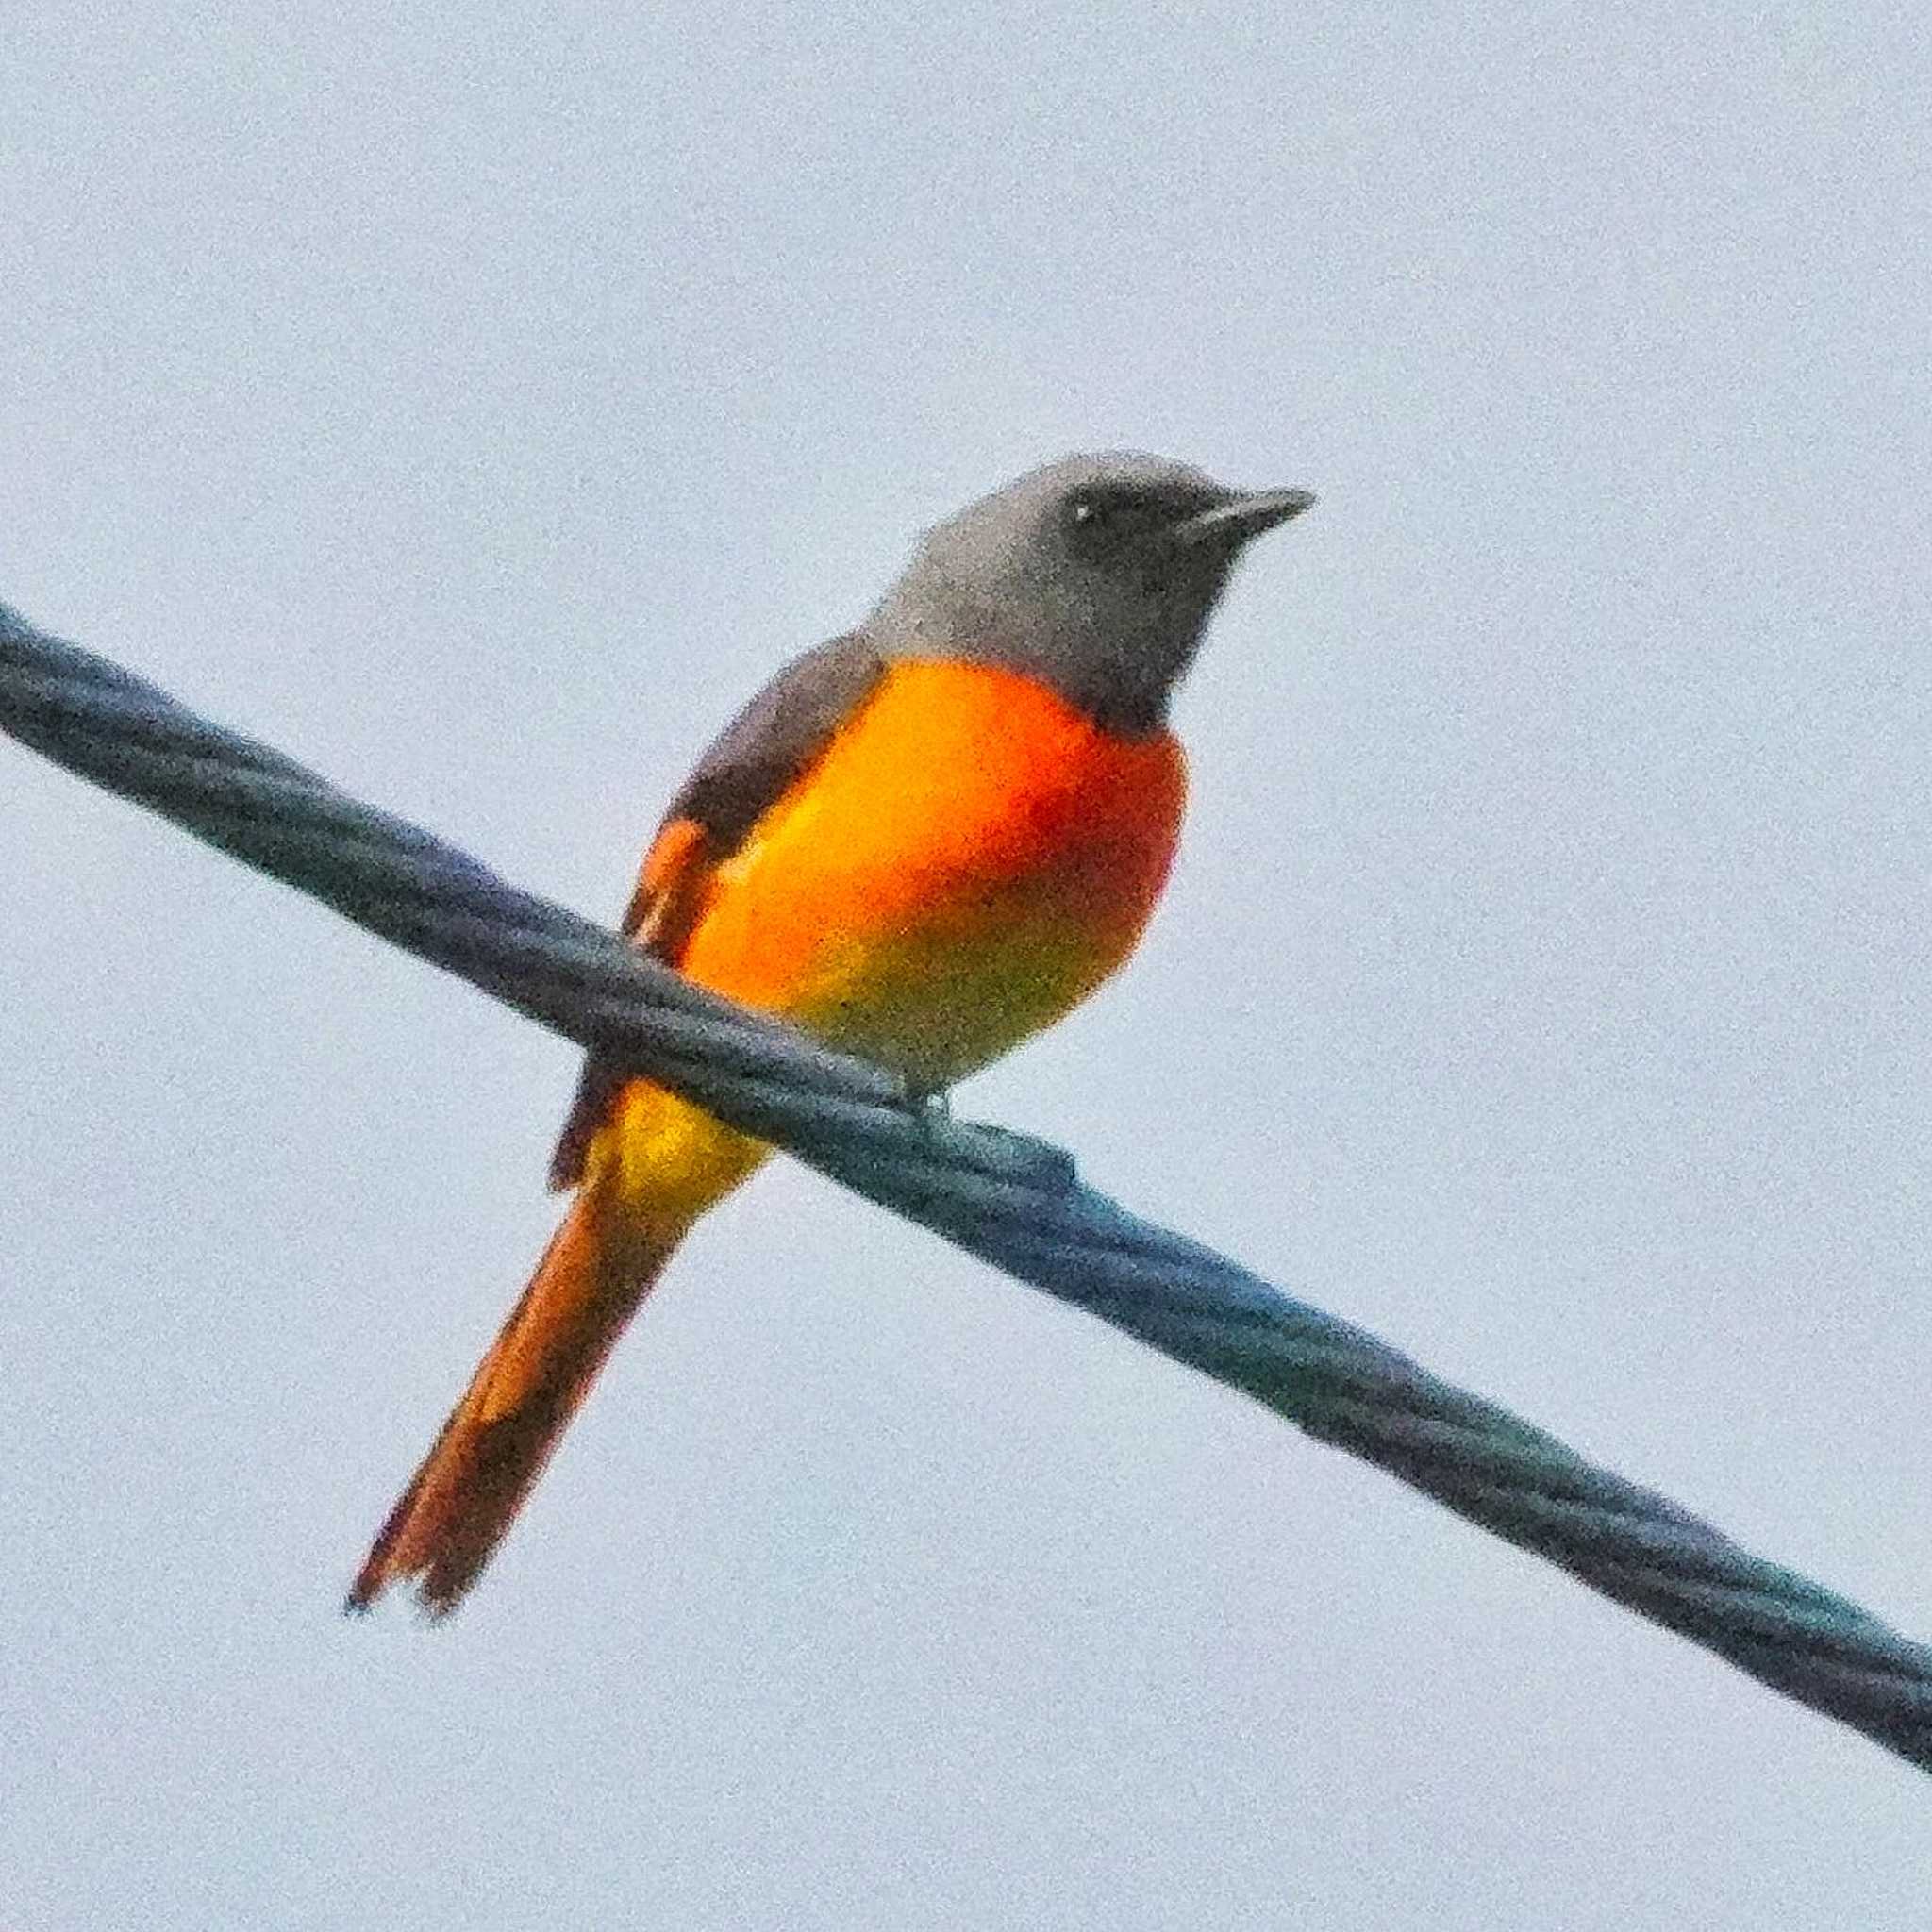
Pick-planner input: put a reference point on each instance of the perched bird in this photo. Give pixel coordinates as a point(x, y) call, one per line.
point(923, 843)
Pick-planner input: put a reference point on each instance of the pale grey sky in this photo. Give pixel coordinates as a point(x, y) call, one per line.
point(478, 407)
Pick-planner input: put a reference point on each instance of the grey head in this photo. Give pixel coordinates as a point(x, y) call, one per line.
point(1096, 575)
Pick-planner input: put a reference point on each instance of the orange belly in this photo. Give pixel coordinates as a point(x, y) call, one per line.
point(971, 858)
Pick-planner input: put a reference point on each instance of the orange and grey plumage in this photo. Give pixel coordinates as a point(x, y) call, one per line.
point(923, 843)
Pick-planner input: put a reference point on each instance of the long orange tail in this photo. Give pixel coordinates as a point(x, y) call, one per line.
point(598, 1267)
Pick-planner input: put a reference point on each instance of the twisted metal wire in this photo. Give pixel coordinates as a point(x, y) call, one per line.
point(1013, 1201)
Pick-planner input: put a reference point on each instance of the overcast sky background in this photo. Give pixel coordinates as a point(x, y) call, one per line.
point(478, 407)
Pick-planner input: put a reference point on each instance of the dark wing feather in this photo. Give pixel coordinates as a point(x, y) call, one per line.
point(751, 764)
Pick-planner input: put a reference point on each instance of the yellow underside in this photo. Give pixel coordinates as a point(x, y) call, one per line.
point(971, 859)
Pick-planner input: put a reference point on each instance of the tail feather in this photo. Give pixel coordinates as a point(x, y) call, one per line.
point(462, 1501)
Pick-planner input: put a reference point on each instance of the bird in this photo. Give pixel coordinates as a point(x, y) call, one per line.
point(921, 843)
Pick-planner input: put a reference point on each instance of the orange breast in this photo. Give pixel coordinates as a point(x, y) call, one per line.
point(971, 858)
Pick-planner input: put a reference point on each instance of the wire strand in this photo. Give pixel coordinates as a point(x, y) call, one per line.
point(1013, 1201)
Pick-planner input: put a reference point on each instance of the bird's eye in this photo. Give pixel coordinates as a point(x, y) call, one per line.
point(1091, 520)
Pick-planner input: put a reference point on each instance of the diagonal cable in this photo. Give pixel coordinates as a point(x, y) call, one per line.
point(1011, 1200)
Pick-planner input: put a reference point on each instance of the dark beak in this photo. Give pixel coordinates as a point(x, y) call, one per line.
point(1243, 517)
